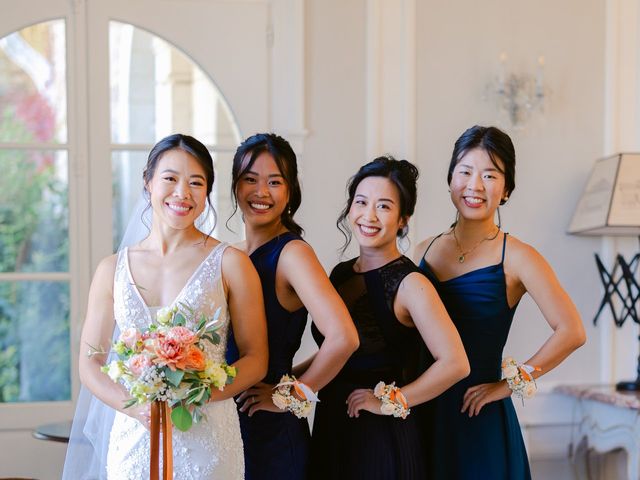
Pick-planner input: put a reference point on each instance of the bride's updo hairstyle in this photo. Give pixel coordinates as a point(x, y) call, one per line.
point(193, 147)
point(285, 159)
point(401, 173)
point(498, 146)
point(178, 141)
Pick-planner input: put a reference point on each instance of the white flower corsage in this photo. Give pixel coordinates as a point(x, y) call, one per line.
point(283, 399)
point(393, 401)
point(519, 378)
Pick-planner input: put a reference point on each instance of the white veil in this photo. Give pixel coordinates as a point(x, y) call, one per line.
point(86, 457)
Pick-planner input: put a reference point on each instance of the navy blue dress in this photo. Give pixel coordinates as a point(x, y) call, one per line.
point(488, 445)
point(276, 445)
point(372, 447)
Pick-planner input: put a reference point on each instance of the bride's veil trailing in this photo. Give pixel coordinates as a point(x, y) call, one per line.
point(86, 457)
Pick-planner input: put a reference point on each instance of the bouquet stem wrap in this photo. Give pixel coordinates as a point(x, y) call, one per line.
point(161, 422)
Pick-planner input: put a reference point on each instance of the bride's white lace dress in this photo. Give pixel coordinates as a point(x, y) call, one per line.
point(211, 449)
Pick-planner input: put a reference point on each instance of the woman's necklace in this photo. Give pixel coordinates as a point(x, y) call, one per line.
point(463, 254)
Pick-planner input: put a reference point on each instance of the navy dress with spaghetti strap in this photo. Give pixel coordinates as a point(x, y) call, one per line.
point(372, 447)
point(489, 445)
point(276, 445)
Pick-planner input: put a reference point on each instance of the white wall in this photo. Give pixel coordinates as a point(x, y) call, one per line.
point(458, 45)
point(458, 49)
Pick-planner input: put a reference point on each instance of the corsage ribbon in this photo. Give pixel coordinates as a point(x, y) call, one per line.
point(284, 400)
point(301, 389)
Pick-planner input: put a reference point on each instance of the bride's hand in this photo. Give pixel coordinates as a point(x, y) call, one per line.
point(258, 398)
point(142, 413)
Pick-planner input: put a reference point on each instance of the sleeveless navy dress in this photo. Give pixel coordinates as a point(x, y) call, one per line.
point(372, 447)
point(276, 445)
point(489, 445)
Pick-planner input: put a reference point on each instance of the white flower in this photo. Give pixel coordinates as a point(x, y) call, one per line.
point(306, 409)
point(279, 401)
point(387, 408)
point(510, 371)
point(378, 391)
point(116, 370)
point(165, 315)
point(530, 390)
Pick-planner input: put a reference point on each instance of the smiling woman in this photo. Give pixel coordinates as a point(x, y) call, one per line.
point(481, 273)
point(274, 430)
point(179, 267)
point(368, 432)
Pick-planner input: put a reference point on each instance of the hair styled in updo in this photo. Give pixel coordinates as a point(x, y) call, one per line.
point(401, 173)
point(193, 147)
point(498, 146)
point(178, 141)
point(285, 159)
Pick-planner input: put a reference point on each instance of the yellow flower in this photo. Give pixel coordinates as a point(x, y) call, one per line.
point(216, 373)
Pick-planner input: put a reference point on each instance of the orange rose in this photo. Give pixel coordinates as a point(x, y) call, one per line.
point(193, 360)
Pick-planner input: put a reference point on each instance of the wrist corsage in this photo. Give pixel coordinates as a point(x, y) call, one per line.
point(393, 401)
point(519, 378)
point(284, 400)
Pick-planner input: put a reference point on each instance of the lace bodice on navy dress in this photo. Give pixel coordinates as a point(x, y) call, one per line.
point(370, 446)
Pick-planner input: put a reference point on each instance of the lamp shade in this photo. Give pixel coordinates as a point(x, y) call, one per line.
point(610, 202)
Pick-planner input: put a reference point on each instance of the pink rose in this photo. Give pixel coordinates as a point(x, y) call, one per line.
point(130, 336)
point(182, 335)
point(139, 363)
point(168, 351)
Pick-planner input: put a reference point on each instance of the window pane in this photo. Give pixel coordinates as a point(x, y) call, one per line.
point(34, 341)
point(34, 214)
point(127, 167)
point(33, 103)
point(156, 90)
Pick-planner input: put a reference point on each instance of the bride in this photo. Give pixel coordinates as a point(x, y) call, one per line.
point(176, 263)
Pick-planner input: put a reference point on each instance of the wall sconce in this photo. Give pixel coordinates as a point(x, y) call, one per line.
point(610, 205)
point(518, 95)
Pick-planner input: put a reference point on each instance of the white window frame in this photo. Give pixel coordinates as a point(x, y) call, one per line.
point(276, 103)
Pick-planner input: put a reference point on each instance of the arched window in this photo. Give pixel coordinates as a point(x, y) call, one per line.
point(157, 90)
point(34, 216)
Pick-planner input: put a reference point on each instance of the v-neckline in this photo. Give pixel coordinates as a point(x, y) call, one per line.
point(147, 308)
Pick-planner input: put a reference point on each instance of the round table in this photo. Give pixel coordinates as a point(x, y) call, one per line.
point(54, 432)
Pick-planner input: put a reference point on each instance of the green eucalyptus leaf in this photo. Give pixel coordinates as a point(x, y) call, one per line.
point(181, 418)
point(179, 320)
point(174, 377)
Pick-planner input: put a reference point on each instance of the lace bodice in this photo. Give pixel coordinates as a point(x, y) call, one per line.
point(203, 293)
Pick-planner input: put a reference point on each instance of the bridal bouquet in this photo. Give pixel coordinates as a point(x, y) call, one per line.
point(166, 362)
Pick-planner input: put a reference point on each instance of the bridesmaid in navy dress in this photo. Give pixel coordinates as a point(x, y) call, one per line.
point(394, 309)
point(481, 273)
point(266, 189)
